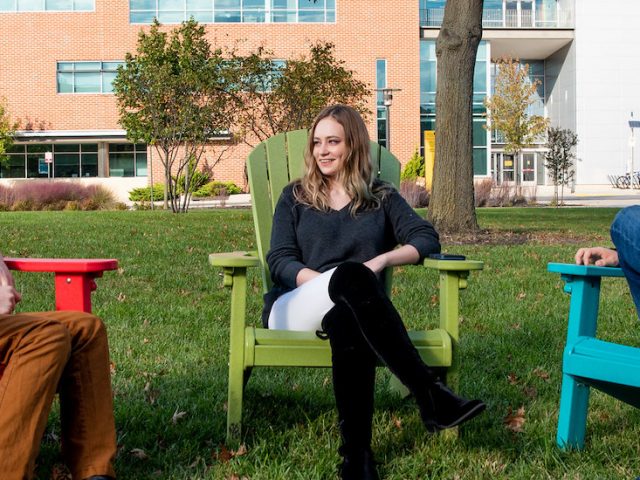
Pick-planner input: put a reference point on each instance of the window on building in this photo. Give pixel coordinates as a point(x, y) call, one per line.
point(127, 160)
point(381, 117)
point(86, 77)
point(69, 161)
point(428, 71)
point(47, 5)
point(232, 11)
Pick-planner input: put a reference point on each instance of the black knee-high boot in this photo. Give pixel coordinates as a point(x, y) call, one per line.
point(356, 286)
point(353, 371)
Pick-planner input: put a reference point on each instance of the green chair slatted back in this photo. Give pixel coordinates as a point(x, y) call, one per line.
point(279, 160)
point(271, 166)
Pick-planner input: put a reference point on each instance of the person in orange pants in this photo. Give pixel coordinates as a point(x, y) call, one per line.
point(45, 353)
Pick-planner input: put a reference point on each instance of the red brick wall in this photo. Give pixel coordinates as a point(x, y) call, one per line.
point(363, 32)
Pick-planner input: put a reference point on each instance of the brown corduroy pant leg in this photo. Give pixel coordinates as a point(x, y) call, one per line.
point(42, 353)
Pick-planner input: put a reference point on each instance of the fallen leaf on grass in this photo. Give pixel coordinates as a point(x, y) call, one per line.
point(512, 378)
point(112, 368)
point(121, 297)
point(178, 416)
point(541, 373)
point(515, 421)
point(139, 453)
point(242, 450)
point(397, 422)
point(224, 454)
point(521, 296)
point(434, 300)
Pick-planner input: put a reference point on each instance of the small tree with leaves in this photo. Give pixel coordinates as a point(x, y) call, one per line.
point(507, 109)
point(172, 95)
point(273, 97)
point(559, 159)
point(7, 131)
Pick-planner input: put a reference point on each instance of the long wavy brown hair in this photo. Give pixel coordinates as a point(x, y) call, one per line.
point(356, 176)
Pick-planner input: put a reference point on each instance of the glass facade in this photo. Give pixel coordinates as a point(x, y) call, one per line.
point(232, 11)
point(127, 160)
point(428, 80)
point(381, 111)
point(86, 77)
point(69, 161)
point(47, 6)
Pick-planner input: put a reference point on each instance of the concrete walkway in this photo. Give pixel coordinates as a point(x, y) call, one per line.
point(584, 196)
point(592, 196)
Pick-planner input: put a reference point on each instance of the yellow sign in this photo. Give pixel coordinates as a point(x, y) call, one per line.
point(429, 156)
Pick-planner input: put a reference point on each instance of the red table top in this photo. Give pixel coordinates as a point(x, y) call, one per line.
point(64, 265)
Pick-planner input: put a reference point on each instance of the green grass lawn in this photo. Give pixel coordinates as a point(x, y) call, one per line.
point(167, 316)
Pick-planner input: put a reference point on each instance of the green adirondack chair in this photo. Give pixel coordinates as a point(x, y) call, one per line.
point(271, 165)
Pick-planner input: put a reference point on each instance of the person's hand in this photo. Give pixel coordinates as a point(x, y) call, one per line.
point(599, 256)
point(5, 275)
point(9, 297)
point(8, 294)
point(377, 264)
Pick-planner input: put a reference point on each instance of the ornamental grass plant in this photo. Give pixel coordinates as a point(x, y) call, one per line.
point(167, 315)
point(55, 195)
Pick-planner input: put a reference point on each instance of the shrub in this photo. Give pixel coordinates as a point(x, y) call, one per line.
point(217, 189)
point(143, 194)
point(99, 198)
point(416, 195)
point(482, 192)
point(6, 197)
point(55, 195)
point(487, 194)
point(414, 167)
point(198, 180)
point(46, 194)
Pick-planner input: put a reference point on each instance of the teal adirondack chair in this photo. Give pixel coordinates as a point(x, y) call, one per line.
point(588, 362)
point(271, 166)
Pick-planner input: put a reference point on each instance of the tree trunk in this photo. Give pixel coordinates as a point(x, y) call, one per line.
point(451, 207)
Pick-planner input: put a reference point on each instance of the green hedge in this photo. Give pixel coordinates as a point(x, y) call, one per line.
point(216, 189)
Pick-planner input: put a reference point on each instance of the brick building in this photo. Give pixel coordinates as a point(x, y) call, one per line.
point(59, 58)
point(58, 64)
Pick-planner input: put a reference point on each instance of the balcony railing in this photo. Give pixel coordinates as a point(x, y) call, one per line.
point(508, 18)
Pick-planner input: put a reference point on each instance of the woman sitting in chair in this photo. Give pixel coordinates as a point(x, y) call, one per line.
point(334, 232)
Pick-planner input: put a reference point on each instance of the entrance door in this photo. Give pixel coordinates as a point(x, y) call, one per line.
point(529, 168)
point(506, 166)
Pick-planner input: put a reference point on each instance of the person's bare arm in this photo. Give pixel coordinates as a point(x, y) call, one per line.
point(405, 255)
point(599, 256)
point(9, 297)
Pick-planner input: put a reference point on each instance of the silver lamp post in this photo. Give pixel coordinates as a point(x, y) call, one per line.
point(387, 100)
point(632, 142)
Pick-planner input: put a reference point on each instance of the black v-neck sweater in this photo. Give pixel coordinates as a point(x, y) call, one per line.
point(305, 237)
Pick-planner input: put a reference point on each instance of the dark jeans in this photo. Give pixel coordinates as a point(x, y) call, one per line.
point(625, 233)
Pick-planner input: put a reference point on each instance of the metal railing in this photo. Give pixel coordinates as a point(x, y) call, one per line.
point(507, 18)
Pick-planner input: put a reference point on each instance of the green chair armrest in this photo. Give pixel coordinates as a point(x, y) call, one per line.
point(453, 265)
point(234, 259)
point(453, 278)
